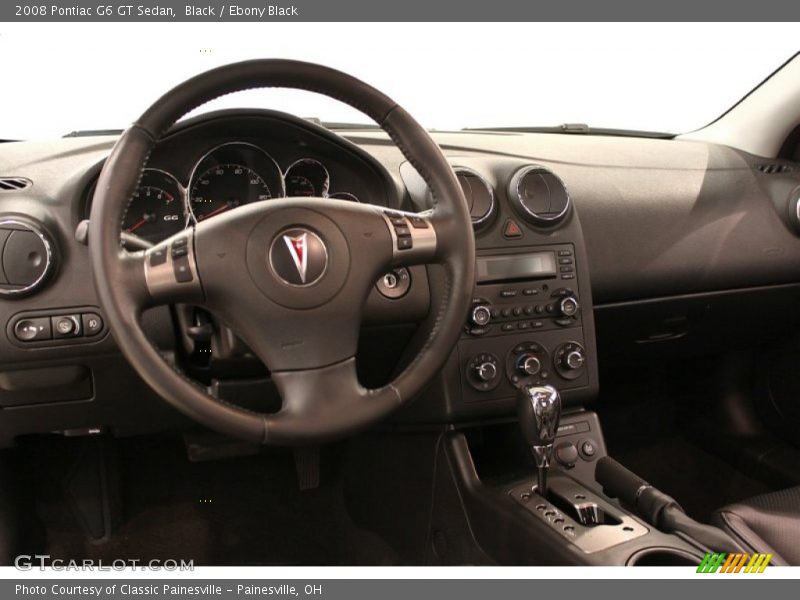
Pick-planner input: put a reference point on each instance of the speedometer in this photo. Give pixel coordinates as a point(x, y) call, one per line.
point(224, 187)
point(232, 175)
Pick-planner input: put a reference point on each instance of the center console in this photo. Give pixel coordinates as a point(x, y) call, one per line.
point(531, 318)
point(528, 348)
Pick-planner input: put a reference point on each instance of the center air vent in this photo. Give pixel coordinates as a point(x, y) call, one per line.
point(774, 168)
point(539, 196)
point(480, 197)
point(13, 184)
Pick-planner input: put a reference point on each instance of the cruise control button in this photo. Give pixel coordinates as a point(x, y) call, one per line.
point(32, 330)
point(92, 324)
point(158, 257)
point(418, 223)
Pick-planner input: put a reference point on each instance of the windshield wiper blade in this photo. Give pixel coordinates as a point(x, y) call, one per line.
point(579, 129)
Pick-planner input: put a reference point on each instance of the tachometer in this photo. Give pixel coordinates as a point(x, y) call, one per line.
point(157, 210)
point(232, 175)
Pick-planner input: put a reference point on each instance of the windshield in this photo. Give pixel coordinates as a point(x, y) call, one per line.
point(662, 77)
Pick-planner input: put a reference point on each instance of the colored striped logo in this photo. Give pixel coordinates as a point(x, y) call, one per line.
point(719, 562)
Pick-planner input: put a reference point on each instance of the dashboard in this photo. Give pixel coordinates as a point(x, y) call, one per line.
point(663, 243)
point(189, 180)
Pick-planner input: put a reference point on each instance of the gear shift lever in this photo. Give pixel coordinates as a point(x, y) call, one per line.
point(539, 410)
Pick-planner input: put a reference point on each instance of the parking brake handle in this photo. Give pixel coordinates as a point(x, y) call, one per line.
point(657, 508)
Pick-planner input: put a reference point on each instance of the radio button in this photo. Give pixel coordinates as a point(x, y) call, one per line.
point(508, 293)
point(481, 315)
point(569, 306)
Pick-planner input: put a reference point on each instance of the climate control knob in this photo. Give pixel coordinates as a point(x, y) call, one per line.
point(486, 371)
point(570, 360)
point(569, 306)
point(574, 360)
point(483, 372)
point(529, 364)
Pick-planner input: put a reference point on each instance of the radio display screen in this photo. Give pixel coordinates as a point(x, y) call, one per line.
point(516, 266)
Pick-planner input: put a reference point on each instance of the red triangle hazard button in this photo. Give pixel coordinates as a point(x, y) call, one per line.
point(511, 230)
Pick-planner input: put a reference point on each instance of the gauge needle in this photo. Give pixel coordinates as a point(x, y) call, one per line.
point(136, 226)
point(216, 211)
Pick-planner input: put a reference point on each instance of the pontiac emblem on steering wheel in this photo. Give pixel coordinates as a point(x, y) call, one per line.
point(298, 257)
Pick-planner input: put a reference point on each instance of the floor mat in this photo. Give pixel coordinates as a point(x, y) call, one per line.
point(242, 511)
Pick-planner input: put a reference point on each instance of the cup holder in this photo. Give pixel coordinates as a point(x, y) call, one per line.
point(663, 557)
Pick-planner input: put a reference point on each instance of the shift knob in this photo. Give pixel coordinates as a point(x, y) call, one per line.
point(539, 411)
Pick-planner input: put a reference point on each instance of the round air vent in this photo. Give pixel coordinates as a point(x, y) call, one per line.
point(480, 197)
point(26, 256)
point(539, 196)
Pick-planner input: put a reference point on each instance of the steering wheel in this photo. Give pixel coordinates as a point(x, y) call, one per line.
point(290, 276)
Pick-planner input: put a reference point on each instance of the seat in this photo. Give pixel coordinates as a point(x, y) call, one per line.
point(766, 523)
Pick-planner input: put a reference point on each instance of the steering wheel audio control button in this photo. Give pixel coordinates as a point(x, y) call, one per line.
point(170, 271)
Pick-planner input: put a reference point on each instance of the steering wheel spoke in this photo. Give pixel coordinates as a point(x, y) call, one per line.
point(170, 270)
point(322, 404)
point(414, 239)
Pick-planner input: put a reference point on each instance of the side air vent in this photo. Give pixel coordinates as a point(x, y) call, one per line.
point(14, 184)
point(774, 168)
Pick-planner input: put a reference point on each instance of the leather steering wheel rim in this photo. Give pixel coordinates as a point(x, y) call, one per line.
point(322, 397)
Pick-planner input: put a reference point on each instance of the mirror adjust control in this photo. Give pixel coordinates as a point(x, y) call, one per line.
point(33, 329)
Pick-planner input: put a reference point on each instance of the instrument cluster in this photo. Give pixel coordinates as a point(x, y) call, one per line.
point(229, 175)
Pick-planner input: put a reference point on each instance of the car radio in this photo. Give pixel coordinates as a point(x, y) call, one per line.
point(518, 292)
point(525, 325)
